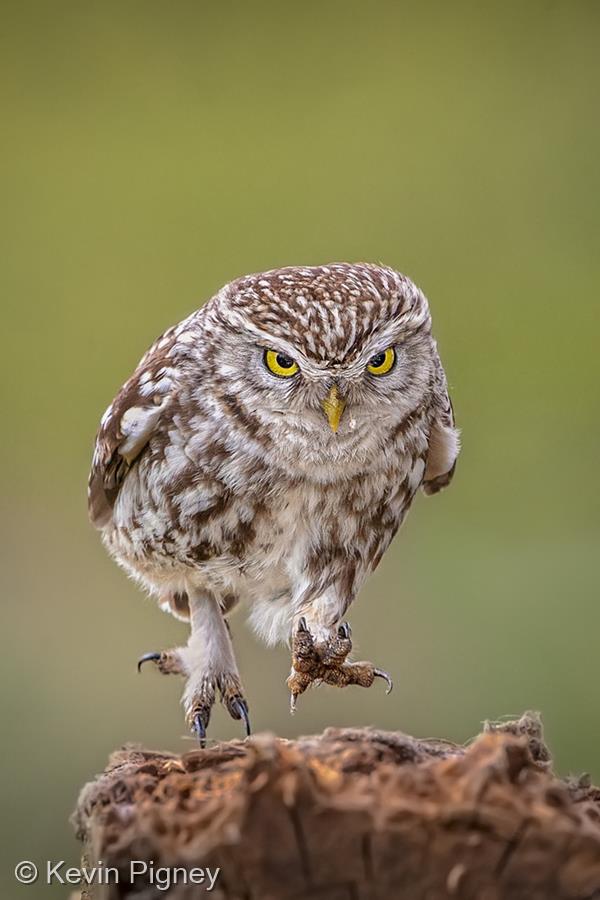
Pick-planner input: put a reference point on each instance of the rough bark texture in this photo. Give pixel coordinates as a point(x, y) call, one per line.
point(352, 814)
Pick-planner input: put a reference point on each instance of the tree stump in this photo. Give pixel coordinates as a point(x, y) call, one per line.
point(352, 814)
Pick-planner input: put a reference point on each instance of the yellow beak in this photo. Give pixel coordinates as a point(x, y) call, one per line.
point(334, 406)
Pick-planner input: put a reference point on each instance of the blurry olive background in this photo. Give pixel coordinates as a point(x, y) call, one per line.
point(152, 152)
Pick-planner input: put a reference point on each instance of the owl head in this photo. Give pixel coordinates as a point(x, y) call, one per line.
point(325, 359)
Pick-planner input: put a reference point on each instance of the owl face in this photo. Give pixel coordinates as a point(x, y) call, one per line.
point(334, 403)
point(328, 360)
point(385, 378)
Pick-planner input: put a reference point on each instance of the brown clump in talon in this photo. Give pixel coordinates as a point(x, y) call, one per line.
point(327, 663)
point(336, 649)
point(305, 663)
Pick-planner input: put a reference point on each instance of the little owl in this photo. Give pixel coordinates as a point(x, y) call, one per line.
point(267, 449)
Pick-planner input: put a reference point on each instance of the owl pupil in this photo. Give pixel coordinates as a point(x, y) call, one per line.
point(284, 361)
point(377, 360)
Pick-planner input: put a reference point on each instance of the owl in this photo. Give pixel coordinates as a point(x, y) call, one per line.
point(265, 452)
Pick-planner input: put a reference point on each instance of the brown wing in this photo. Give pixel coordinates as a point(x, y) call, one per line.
point(444, 443)
point(138, 410)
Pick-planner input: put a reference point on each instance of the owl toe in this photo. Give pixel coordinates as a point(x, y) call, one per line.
point(379, 673)
point(302, 626)
point(232, 695)
point(238, 709)
point(344, 631)
point(199, 727)
point(335, 650)
point(168, 662)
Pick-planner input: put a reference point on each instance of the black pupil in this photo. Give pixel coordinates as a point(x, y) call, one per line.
point(284, 361)
point(378, 360)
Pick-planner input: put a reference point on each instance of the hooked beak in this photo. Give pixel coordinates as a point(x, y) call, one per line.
point(334, 406)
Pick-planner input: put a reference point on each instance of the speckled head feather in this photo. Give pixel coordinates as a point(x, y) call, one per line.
point(328, 312)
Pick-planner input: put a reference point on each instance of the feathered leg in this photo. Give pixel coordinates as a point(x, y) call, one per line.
point(208, 663)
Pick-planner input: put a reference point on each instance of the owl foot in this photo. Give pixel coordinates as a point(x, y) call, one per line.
point(168, 662)
point(327, 663)
point(202, 699)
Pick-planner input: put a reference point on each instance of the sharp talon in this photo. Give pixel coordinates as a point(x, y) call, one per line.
point(302, 626)
point(146, 658)
point(293, 699)
point(200, 730)
point(344, 631)
point(241, 708)
point(379, 673)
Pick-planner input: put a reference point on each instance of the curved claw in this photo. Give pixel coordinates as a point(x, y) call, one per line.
point(379, 673)
point(146, 658)
point(240, 707)
point(200, 730)
point(344, 631)
point(302, 626)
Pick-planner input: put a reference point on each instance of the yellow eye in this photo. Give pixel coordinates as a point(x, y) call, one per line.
point(383, 362)
point(280, 364)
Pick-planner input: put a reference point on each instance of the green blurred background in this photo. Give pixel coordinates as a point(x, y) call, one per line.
point(152, 152)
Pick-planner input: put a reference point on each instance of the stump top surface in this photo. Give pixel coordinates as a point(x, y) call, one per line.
point(359, 812)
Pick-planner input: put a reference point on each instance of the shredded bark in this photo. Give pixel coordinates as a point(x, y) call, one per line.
point(352, 814)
